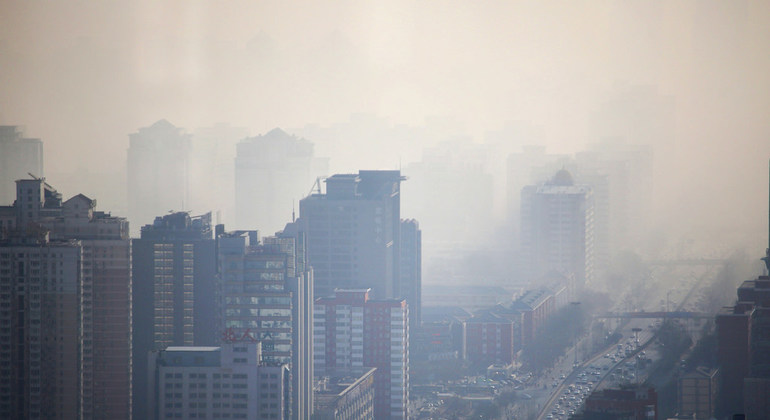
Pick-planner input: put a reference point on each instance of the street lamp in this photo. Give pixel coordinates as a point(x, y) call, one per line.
point(574, 334)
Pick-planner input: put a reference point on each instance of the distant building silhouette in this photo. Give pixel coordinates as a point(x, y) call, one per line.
point(18, 157)
point(451, 175)
point(212, 178)
point(530, 166)
point(66, 268)
point(158, 171)
point(176, 300)
point(557, 229)
point(272, 171)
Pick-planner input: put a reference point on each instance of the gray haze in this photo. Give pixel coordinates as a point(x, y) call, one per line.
point(373, 85)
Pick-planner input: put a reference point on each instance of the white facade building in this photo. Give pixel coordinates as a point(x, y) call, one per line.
point(557, 229)
point(216, 382)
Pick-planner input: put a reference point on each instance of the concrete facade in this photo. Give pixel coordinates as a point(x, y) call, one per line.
point(216, 382)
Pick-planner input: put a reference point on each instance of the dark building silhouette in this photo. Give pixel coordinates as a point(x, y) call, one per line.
point(19, 156)
point(67, 269)
point(696, 393)
point(743, 351)
point(175, 294)
point(158, 171)
point(353, 233)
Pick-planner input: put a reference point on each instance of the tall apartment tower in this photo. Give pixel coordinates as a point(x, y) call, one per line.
point(557, 229)
point(230, 381)
point(158, 169)
point(95, 319)
point(353, 333)
point(267, 298)
point(272, 171)
point(39, 349)
point(175, 293)
point(353, 233)
point(411, 270)
point(18, 157)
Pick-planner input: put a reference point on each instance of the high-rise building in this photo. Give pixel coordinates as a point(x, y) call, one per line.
point(353, 332)
point(743, 349)
point(40, 355)
point(411, 270)
point(99, 310)
point(267, 298)
point(532, 165)
point(229, 381)
point(272, 172)
point(621, 176)
point(176, 300)
point(557, 221)
point(158, 172)
point(19, 156)
point(452, 175)
point(353, 233)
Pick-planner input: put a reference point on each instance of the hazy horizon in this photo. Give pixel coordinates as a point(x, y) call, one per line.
point(689, 78)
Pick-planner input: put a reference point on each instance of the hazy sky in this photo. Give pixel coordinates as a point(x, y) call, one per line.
point(82, 75)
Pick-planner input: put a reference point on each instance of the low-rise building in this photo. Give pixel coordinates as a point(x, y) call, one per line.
point(346, 397)
point(696, 393)
point(216, 382)
point(488, 338)
point(634, 403)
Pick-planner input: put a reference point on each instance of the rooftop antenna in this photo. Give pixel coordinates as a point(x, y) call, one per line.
point(293, 218)
point(767, 251)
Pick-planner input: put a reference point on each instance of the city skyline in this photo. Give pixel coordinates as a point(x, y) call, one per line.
point(401, 210)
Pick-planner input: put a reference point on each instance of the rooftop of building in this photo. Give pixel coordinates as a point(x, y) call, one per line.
point(278, 142)
point(444, 290)
point(179, 224)
point(431, 314)
point(487, 317)
point(192, 348)
point(562, 178)
point(366, 185)
point(624, 393)
point(532, 298)
point(339, 383)
point(701, 372)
